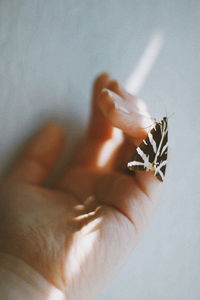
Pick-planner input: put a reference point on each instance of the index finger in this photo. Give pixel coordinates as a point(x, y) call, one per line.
point(131, 116)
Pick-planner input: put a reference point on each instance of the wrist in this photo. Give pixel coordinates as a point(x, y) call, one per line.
point(20, 281)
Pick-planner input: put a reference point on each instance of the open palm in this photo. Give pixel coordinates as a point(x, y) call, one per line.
point(80, 231)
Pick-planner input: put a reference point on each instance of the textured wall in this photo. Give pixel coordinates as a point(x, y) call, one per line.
point(50, 52)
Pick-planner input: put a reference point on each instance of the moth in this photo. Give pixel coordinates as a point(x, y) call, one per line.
point(151, 155)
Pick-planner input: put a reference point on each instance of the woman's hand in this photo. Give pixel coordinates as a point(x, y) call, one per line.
point(77, 233)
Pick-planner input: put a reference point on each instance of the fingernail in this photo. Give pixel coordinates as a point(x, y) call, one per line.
point(118, 101)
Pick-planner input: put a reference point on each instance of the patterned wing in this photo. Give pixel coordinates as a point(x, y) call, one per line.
point(161, 155)
point(151, 155)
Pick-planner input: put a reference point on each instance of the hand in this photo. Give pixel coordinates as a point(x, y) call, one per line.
point(77, 233)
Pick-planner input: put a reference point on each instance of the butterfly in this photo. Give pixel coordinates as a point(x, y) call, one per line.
point(151, 155)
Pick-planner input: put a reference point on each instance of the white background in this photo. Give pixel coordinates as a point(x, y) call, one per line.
point(50, 52)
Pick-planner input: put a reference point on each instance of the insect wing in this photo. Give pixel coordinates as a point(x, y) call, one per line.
point(162, 152)
point(144, 155)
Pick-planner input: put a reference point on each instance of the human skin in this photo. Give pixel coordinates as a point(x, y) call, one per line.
point(77, 233)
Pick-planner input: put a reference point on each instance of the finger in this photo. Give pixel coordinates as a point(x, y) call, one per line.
point(131, 116)
point(99, 129)
point(40, 155)
point(128, 114)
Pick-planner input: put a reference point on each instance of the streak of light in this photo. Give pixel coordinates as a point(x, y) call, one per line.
point(109, 146)
point(136, 80)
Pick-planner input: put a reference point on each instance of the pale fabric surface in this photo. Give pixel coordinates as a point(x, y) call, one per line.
point(50, 52)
